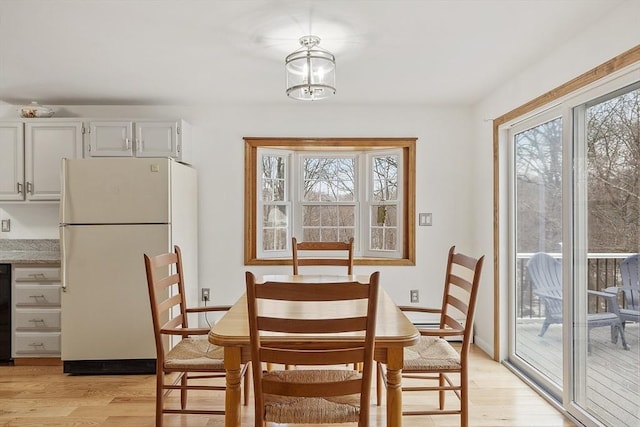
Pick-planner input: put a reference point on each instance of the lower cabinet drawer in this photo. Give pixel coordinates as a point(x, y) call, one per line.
point(37, 320)
point(29, 344)
point(37, 295)
point(33, 274)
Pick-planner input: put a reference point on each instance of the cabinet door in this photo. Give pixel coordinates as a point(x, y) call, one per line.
point(157, 139)
point(110, 139)
point(11, 161)
point(46, 144)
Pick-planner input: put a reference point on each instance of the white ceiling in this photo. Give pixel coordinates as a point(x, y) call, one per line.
point(199, 52)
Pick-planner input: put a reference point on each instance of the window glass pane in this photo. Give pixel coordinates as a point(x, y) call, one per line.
point(328, 179)
point(274, 239)
point(384, 229)
point(311, 234)
point(385, 178)
point(274, 228)
point(275, 216)
point(538, 223)
point(346, 216)
point(384, 215)
point(273, 178)
point(311, 216)
point(383, 239)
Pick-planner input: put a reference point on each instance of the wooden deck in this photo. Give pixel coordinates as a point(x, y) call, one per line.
point(612, 373)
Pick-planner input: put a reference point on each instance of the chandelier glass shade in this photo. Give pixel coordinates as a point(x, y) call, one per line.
point(310, 71)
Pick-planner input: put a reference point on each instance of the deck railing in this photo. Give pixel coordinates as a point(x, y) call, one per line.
point(604, 272)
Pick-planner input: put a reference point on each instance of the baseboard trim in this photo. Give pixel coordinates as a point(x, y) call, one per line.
point(114, 367)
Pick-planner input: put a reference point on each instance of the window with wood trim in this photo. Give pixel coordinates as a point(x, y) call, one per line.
point(330, 190)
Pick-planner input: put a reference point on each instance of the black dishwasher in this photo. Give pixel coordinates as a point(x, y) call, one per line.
point(5, 312)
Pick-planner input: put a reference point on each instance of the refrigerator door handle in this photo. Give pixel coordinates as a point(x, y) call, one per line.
point(63, 189)
point(63, 259)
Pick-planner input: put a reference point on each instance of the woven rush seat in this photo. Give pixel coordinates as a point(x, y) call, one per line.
point(430, 353)
point(338, 409)
point(195, 351)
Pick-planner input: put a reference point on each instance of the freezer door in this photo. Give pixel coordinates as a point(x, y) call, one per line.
point(115, 191)
point(106, 312)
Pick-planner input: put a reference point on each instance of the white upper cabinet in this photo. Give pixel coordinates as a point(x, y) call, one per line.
point(110, 139)
point(11, 161)
point(30, 157)
point(46, 144)
point(141, 138)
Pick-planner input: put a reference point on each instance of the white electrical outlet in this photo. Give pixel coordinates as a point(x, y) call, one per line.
point(6, 225)
point(415, 297)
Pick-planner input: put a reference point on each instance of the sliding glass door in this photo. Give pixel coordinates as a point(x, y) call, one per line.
point(537, 292)
point(574, 226)
point(606, 223)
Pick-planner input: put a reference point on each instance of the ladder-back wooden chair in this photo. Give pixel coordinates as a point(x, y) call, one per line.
point(434, 359)
point(315, 393)
point(332, 249)
point(192, 359)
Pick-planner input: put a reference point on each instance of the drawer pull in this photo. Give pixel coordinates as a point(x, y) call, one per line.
point(38, 275)
point(38, 297)
point(39, 321)
point(37, 344)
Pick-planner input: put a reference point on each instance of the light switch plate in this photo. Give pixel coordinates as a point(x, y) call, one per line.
point(425, 219)
point(6, 225)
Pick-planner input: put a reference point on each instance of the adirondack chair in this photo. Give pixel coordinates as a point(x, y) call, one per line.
point(545, 273)
point(630, 289)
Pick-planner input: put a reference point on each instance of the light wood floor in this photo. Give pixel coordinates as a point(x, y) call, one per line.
point(44, 396)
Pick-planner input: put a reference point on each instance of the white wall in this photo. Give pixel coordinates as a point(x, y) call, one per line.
point(614, 34)
point(443, 178)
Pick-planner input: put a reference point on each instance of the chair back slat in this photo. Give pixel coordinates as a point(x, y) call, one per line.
point(330, 248)
point(318, 357)
point(284, 291)
point(311, 326)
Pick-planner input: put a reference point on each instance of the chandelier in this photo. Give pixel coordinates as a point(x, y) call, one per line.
point(311, 71)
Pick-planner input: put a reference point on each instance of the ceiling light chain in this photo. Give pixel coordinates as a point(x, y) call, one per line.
point(310, 71)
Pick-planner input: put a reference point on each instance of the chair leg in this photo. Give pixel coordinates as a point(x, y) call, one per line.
point(379, 381)
point(247, 374)
point(441, 392)
point(183, 391)
point(464, 398)
point(159, 395)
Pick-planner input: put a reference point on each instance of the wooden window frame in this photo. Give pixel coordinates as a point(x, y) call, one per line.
point(408, 147)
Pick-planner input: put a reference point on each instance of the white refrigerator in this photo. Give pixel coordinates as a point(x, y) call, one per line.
point(112, 211)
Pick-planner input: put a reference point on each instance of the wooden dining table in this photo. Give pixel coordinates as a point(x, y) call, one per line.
point(394, 331)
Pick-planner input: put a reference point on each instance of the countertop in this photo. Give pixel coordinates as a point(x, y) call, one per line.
point(29, 251)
